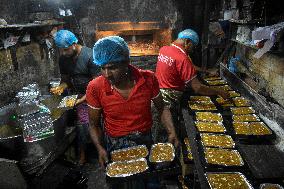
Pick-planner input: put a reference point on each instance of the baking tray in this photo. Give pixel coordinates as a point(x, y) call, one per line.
point(243, 138)
point(201, 106)
point(154, 146)
point(223, 187)
point(212, 78)
point(200, 98)
point(64, 102)
point(216, 82)
point(208, 117)
point(224, 130)
point(213, 134)
point(242, 110)
point(219, 167)
point(270, 186)
point(174, 168)
point(142, 160)
point(132, 156)
point(246, 118)
point(241, 102)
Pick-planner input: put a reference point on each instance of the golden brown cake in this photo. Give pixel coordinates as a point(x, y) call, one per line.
point(210, 127)
point(208, 117)
point(162, 152)
point(240, 101)
point(126, 168)
point(200, 98)
point(245, 118)
point(242, 110)
point(224, 103)
point(225, 157)
point(217, 82)
point(227, 181)
point(131, 153)
point(217, 140)
point(203, 105)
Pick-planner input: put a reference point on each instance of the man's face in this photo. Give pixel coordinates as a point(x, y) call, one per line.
point(115, 72)
point(189, 47)
point(68, 52)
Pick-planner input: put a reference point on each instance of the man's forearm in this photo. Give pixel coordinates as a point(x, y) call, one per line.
point(166, 118)
point(96, 136)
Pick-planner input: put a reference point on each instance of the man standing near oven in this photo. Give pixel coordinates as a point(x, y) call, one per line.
point(76, 69)
point(176, 72)
point(123, 95)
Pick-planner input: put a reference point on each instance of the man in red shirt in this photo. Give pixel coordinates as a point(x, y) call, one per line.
point(123, 95)
point(176, 72)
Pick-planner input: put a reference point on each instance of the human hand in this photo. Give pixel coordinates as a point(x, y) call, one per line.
point(224, 94)
point(57, 90)
point(212, 72)
point(172, 138)
point(103, 159)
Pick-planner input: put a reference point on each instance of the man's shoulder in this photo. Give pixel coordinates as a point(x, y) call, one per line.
point(97, 82)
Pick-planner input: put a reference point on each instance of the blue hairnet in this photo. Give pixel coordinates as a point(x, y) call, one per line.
point(189, 34)
point(110, 49)
point(64, 39)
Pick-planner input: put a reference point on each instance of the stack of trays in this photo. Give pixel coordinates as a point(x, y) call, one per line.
point(209, 122)
point(128, 161)
point(247, 125)
point(133, 160)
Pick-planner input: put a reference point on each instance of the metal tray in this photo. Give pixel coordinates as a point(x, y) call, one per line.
point(211, 146)
point(162, 144)
point(241, 101)
point(200, 99)
point(216, 82)
point(223, 187)
point(242, 110)
point(275, 186)
point(125, 163)
point(210, 131)
point(212, 117)
point(245, 118)
point(212, 165)
point(64, 101)
point(202, 106)
point(252, 138)
point(212, 78)
point(131, 157)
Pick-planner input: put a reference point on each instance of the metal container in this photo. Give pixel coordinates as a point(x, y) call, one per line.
point(10, 146)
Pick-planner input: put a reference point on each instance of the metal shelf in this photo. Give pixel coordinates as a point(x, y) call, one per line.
point(31, 25)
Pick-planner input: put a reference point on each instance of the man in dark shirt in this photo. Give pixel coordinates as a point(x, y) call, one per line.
point(76, 69)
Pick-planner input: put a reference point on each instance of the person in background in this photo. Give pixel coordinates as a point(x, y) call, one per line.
point(123, 95)
point(76, 69)
point(176, 72)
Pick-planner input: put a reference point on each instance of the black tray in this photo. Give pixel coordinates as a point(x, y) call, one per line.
point(251, 139)
point(214, 167)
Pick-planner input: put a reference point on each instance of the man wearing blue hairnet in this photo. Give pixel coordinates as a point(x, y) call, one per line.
point(176, 72)
point(76, 69)
point(123, 95)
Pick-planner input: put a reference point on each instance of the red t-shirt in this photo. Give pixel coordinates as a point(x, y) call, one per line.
point(174, 68)
point(124, 116)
